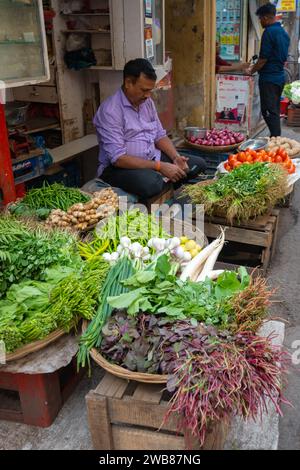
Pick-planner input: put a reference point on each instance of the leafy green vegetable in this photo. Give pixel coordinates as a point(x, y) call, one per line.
point(246, 192)
point(160, 292)
point(33, 309)
point(27, 250)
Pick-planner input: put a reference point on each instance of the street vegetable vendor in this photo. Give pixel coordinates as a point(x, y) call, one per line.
point(135, 153)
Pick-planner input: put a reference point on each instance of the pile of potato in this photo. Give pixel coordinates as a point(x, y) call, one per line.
point(83, 216)
point(292, 147)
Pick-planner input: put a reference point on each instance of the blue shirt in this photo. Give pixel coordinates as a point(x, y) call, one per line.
point(275, 45)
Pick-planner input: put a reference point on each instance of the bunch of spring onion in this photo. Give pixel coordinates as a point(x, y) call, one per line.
point(142, 256)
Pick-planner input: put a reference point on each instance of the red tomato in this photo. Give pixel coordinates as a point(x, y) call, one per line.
point(231, 159)
point(249, 159)
point(272, 155)
point(278, 159)
point(292, 169)
point(227, 166)
point(242, 157)
point(236, 164)
point(288, 163)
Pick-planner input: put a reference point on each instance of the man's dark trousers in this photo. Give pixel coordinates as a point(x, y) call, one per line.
point(147, 183)
point(270, 95)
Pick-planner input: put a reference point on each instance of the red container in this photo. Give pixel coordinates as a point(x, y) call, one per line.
point(284, 106)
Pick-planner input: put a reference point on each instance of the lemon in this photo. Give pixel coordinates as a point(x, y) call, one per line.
point(194, 252)
point(191, 245)
point(184, 240)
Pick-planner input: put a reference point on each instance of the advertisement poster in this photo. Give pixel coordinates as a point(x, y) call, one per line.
point(148, 8)
point(285, 5)
point(232, 99)
point(229, 28)
point(149, 47)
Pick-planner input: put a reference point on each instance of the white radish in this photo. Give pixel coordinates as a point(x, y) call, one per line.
point(213, 275)
point(211, 260)
point(192, 270)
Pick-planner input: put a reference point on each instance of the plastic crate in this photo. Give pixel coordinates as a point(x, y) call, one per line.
point(212, 160)
point(68, 175)
point(27, 169)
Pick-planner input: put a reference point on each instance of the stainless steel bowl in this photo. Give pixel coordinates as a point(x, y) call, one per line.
point(255, 144)
point(197, 132)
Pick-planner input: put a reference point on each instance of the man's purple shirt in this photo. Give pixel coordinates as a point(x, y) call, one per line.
point(122, 130)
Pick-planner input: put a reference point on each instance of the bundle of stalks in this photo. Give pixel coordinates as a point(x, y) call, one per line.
point(250, 306)
point(243, 194)
point(239, 377)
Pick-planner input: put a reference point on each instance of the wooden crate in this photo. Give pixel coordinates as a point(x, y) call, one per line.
point(293, 119)
point(36, 399)
point(251, 243)
point(126, 415)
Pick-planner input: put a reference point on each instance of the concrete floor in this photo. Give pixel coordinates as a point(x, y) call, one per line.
point(70, 429)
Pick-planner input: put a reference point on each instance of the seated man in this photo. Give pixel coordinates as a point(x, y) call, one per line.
point(135, 153)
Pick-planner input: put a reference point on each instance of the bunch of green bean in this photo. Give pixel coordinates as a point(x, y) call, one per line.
point(113, 286)
point(55, 196)
point(76, 296)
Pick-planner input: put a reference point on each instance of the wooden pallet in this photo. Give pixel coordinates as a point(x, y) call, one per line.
point(260, 234)
point(126, 415)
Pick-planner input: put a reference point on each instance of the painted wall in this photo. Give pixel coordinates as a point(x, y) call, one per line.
point(189, 32)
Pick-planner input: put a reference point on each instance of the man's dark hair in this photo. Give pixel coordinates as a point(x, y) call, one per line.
point(134, 68)
point(266, 10)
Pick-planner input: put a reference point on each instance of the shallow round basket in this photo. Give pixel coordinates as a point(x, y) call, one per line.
point(35, 346)
point(179, 228)
point(120, 371)
point(211, 149)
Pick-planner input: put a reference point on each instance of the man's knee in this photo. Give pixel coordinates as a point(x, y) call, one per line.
point(153, 185)
point(197, 165)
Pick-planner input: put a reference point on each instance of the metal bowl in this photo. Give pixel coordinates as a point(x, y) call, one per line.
point(197, 132)
point(254, 144)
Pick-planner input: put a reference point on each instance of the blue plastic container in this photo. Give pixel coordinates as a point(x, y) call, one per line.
point(212, 160)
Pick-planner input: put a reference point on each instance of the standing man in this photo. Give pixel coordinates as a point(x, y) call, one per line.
point(275, 44)
point(135, 153)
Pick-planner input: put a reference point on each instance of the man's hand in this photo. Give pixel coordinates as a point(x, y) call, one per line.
point(172, 171)
point(181, 162)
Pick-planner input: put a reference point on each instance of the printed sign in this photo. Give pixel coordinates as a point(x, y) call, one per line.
point(148, 8)
point(285, 5)
point(149, 47)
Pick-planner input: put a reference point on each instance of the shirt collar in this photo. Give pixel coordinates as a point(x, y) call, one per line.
point(274, 24)
point(125, 100)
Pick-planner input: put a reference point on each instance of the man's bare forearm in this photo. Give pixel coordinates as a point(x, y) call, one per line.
point(166, 146)
point(134, 163)
point(259, 65)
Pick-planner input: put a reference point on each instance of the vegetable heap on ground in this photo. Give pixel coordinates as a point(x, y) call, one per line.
point(279, 156)
point(291, 146)
point(81, 216)
point(40, 202)
point(246, 192)
point(133, 224)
